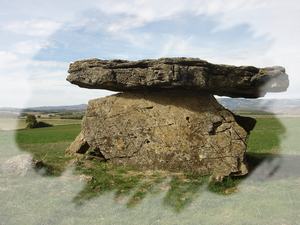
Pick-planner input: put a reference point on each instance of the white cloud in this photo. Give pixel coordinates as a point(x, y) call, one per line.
point(14, 92)
point(6, 58)
point(277, 20)
point(16, 63)
point(28, 47)
point(36, 27)
point(20, 75)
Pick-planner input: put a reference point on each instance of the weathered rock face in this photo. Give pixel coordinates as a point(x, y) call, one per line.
point(169, 129)
point(178, 73)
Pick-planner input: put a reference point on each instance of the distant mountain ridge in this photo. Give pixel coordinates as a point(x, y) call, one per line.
point(48, 109)
point(278, 106)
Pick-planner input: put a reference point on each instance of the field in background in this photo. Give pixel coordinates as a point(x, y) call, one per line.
point(270, 193)
point(99, 192)
point(270, 138)
point(49, 144)
point(16, 123)
point(265, 138)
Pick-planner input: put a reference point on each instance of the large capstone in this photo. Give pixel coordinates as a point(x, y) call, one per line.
point(173, 130)
point(178, 73)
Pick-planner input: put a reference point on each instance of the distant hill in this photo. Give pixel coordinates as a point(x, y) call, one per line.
point(5, 111)
point(277, 106)
point(49, 109)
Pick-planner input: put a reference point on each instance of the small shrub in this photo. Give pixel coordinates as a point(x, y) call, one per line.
point(33, 123)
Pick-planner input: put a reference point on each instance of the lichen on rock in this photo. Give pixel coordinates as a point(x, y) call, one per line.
point(178, 73)
point(176, 131)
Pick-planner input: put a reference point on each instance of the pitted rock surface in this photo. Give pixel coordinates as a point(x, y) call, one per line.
point(178, 73)
point(170, 130)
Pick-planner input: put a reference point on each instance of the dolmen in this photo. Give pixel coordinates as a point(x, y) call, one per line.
point(166, 116)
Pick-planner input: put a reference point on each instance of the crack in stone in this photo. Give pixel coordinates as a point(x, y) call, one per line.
point(220, 157)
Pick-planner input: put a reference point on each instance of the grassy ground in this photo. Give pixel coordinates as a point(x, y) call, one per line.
point(13, 123)
point(266, 136)
point(48, 145)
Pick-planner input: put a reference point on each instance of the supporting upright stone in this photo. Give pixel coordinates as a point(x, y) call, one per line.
point(171, 130)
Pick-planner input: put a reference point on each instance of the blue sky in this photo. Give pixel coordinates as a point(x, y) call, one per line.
point(150, 40)
point(39, 39)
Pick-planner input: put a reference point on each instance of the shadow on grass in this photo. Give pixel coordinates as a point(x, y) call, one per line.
point(264, 167)
point(131, 186)
point(181, 189)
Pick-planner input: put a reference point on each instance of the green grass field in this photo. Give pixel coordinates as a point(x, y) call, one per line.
point(266, 138)
point(13, 123)
point(99, 193)
point(49, 144)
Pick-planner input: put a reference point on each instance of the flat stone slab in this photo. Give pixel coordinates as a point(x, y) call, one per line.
point(178, 73)
point(166, 130)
